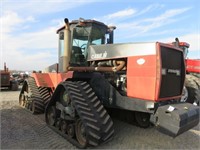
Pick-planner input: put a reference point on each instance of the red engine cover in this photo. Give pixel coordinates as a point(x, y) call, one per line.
point(145, 75)
point(50, 79)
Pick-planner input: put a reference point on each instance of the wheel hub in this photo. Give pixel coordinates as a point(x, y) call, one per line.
point(80, 133)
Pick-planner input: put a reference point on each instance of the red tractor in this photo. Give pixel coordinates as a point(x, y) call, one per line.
point(94, 75)
point(191, 91)
point(7, 81)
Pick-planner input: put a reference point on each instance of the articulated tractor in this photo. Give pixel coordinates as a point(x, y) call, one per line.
point(93, 76)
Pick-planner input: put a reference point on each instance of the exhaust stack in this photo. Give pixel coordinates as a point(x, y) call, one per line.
point(63, 66)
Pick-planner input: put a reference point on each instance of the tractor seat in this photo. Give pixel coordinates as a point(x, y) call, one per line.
point(76, 50)
point(77, 56)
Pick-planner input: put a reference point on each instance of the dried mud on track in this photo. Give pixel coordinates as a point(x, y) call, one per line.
point(21, 130)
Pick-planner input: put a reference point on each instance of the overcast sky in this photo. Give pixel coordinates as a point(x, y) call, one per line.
point(28, 39)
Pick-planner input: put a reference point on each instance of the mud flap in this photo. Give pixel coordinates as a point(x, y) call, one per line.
point(175, 119)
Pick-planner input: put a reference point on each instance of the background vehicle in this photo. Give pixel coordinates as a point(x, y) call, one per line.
point(7, 81)
point(94, 75)
point(20, 77)
point(191, 92)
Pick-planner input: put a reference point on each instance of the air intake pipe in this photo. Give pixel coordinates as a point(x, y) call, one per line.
point(67, 46)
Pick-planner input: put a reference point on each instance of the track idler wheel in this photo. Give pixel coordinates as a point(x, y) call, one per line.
point(80, 133)
point(142, 119)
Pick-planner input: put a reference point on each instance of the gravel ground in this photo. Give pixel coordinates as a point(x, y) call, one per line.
point(21, 130)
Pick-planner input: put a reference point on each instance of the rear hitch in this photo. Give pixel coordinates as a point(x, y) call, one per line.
point(175, 119)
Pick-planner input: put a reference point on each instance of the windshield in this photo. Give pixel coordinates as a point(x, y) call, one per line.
point(80, 39)
point(97, 36)
point(83, 36)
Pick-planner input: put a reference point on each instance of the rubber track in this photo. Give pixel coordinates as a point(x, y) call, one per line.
point(44, 92)
point(35, 95)
point(92, 113)
point(97, 122)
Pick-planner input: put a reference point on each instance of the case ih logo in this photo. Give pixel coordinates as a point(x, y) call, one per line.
point(174, 71)
point(99, 55)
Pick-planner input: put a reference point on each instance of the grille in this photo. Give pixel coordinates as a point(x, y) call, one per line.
point(173, 72)
point(5, 79)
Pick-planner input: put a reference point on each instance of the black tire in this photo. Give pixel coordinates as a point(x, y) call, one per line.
point(193, 88)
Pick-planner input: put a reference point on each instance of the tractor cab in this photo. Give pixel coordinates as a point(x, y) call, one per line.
point(183, 45)
point(75, 38)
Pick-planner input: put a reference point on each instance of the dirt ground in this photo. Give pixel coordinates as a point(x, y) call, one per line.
point(22, 130)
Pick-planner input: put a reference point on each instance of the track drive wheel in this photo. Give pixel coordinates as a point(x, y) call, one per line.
point(142, 119)
point(80, 133)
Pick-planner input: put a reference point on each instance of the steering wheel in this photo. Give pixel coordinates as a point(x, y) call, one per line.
point(83, 46)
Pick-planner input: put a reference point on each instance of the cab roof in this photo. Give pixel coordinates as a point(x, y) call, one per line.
point(83, 21)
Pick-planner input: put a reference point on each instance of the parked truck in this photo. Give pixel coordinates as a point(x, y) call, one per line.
point(93, 75)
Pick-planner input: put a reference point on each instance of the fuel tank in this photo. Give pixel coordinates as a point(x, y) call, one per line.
point(175, 119)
